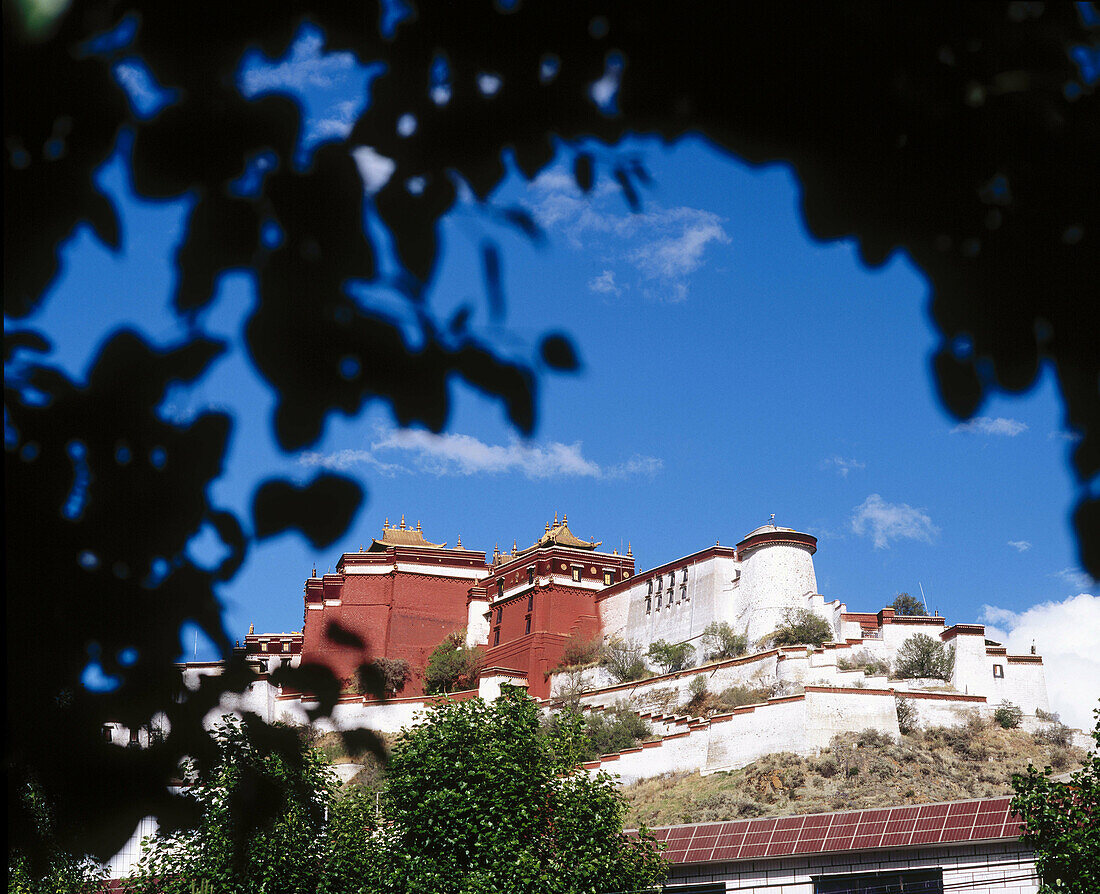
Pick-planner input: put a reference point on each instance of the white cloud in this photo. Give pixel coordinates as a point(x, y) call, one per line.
point(337, 124)
point(1021, 546)
point(891, 521)
point(843, 466)
point(664, 246)
point(307, 66)
point(987, 425)
point(398, 451)
point(1066, 634)
point(375, 169)
point(1075, 578)
point(605, 284)
point(1071, 436)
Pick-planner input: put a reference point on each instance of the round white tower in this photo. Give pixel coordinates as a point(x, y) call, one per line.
point(777, 574)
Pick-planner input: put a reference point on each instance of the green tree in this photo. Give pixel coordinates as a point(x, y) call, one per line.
point(802, 628)
point(904, 604)
point(481, 800)
point(453, 666)
point(1008, 715)
point(1062, 823)
point(670, 657)
point(269, 820)
point(921, 656)
point(623, 660)
point(721, 641)
point(393, 673)
point(58, 871)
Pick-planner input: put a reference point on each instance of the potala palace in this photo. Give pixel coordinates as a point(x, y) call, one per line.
point(403, 595)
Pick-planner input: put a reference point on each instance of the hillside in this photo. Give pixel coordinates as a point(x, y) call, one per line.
point(859, 770)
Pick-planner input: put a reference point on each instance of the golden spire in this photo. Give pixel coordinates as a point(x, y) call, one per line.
point(418, 524)
point(548, 527)
point(402, 521)
point(628, 552)
point(555, 518)
point(386, 524)
point(564, 519)
point(459, 546)
point(515, 548)
point(251, 629)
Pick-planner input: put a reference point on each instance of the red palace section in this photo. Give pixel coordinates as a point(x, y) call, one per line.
point(404, 594)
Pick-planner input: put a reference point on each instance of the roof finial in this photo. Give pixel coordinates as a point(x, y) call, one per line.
point(628, 552)
point(251, 629)
point(360, 547)
point(548, 527)
point(564, 519)
point(418, 524)
point(555, 518)
point(459, 546)
point(772, 519)
point(515, 548)
point(314, 570)
point(716, 543)
point(386, 524)
point(402, 521)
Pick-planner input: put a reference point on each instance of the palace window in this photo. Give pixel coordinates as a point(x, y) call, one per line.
point(531, 575)
point(500, 614)
point(685, 576)
point(527, 626)
point(496, 636)
point(651, 587)
point(530, 601)
point(500, 588)
point(658, 602)
point(608, 578)
point(576, 574)
point(648, 604)
point(106, 732)
point(999, 671)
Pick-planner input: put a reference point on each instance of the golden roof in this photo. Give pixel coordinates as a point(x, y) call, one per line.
point(402, 536)
point(560, 535)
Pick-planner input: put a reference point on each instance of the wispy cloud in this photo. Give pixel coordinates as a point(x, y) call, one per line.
point(1021, 546)
point(404, 451)
point(988, 425)
point(1071, 436)
point(842, 466)
point(1075, 578)
point(337, 123)
point(662, 246)
point(885, 522)
point(307, 66)
point(1065, 633)
point(605, 284)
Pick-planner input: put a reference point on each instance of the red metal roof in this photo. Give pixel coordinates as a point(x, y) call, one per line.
point(915, 824)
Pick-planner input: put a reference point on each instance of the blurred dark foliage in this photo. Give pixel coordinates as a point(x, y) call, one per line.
point(965, 134)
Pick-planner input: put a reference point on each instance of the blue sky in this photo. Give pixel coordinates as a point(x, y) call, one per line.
point(732, 368)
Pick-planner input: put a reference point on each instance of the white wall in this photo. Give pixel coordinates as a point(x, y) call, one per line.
point(775, 578)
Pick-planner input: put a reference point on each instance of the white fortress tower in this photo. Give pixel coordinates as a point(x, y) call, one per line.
point(777, 576)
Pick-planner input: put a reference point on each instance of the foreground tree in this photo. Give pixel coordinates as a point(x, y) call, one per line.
point(1062, 823)
point(974, 160)
point(904, 604)
point(269, 820)
point(452, 666)
point(481, 800)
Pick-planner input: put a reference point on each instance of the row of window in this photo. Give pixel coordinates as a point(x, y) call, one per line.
point(683, 598)
point(671, 581)
point(608, 578)
point(496, 630)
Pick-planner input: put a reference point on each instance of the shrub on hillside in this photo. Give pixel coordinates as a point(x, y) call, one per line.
point(736, 696)
point(623, 660)
point(802, 628)
point(580, 651)
point(922, 657)
point(1057, 734)
point(697, 688)
point(907, 714)
point(865, 661)
point(452, 667)
point(603, 733)
point(670, 657)
point(392, 673)
point(721, 641)
point(1008, 715)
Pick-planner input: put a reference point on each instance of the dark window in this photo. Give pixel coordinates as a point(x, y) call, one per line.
point(500, 614)
point(660, 582)
point(576, 574)
point(998, 671)
point(133, 736)
point(530, 601)
point(685, 575)
point(106, 733)
point(608, 578)
point(530, 575)
point(496, 636)
point(500, 588)
point(651, 588)
point(648, 604)
point(905, 881)
point(658, 602)
point(527, 628)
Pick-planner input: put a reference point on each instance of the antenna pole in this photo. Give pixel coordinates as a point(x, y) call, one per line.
point(922, 599)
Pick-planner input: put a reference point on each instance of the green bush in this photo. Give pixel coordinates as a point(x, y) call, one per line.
point(720, 641)
point(698, 687)
point(907, 714)
point(670, 657)
point(802, 628)
point(1008, 715)
point(922, 657)
point(580, 651)
point(904, 604)
point(736, 696)
point(623, 660)
point(452, 667)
